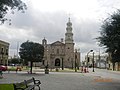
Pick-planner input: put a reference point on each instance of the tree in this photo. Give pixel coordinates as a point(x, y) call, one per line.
point(110, 36)
point(7, 5)
point(32, 52)
point(14, 60)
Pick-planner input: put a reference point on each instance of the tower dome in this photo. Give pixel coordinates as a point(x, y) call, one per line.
point(69, 23)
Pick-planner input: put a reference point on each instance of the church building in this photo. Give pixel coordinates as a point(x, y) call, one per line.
point(62, 54)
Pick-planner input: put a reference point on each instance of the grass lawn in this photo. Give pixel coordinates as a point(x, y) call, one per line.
point(6, 87)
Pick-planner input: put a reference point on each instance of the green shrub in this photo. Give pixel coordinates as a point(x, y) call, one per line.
point(12, 69)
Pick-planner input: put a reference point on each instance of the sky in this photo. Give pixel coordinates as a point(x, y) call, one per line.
point(48, 18)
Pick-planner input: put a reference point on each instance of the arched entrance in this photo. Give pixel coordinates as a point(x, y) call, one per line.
point(57, 62)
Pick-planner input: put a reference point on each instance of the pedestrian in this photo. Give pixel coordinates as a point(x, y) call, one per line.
point(16, 70)
point(81, 69)
point(85, 69)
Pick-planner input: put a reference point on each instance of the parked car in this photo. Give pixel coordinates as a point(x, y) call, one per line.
point(3, 68)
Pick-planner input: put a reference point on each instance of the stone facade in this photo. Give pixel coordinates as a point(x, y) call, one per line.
point(4, 49)
point(61, 54)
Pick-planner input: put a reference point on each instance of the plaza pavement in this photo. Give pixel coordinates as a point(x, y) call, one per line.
point(69, 80)
point(104, 73)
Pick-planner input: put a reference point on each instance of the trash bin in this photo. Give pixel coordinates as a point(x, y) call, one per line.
point(57, 70)
point(46, 71)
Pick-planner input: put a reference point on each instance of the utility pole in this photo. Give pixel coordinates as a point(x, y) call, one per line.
point(99, 59)
point(75, 60)
point(93, 61)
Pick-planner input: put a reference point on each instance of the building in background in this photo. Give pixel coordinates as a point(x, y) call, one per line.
point(4, 49)
point(110, 64)
point(62, 54)
point(100, 61)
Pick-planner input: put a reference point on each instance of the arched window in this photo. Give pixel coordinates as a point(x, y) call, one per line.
point(57, 51)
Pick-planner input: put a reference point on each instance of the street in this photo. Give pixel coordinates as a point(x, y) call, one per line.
point(98, 80)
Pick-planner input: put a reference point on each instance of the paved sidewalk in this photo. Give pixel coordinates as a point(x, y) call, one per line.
point(67, 80)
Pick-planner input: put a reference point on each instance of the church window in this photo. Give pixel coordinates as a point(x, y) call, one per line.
point(62, 50)
point(2, 51)
point(52, 50)
point(68, 59)
point(45, 46)
point(6, 51)
point(57, 51)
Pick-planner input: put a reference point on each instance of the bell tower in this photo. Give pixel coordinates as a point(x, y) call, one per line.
point(69, 45)
point(69, 34)
point(44, 42)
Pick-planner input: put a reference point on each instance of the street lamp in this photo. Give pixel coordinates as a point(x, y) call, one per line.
point(62, 64)
point(47, 57)
point(92, 60)
point(88, 57)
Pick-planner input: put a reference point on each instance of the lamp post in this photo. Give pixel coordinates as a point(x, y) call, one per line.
point(99, 59)
point(75, 59)
point(92, 60)
point(62, 64)
point(47, 57)
point(87, 58)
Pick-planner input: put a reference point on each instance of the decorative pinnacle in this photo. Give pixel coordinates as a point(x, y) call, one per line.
point(69, 19)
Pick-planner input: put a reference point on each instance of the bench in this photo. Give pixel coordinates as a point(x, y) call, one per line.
point(27, 84)
point(19, 86)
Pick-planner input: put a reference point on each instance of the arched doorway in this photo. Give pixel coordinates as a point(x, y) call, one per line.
point(57, 62)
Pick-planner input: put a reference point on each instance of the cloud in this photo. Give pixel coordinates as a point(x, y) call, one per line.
point(50, 25)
